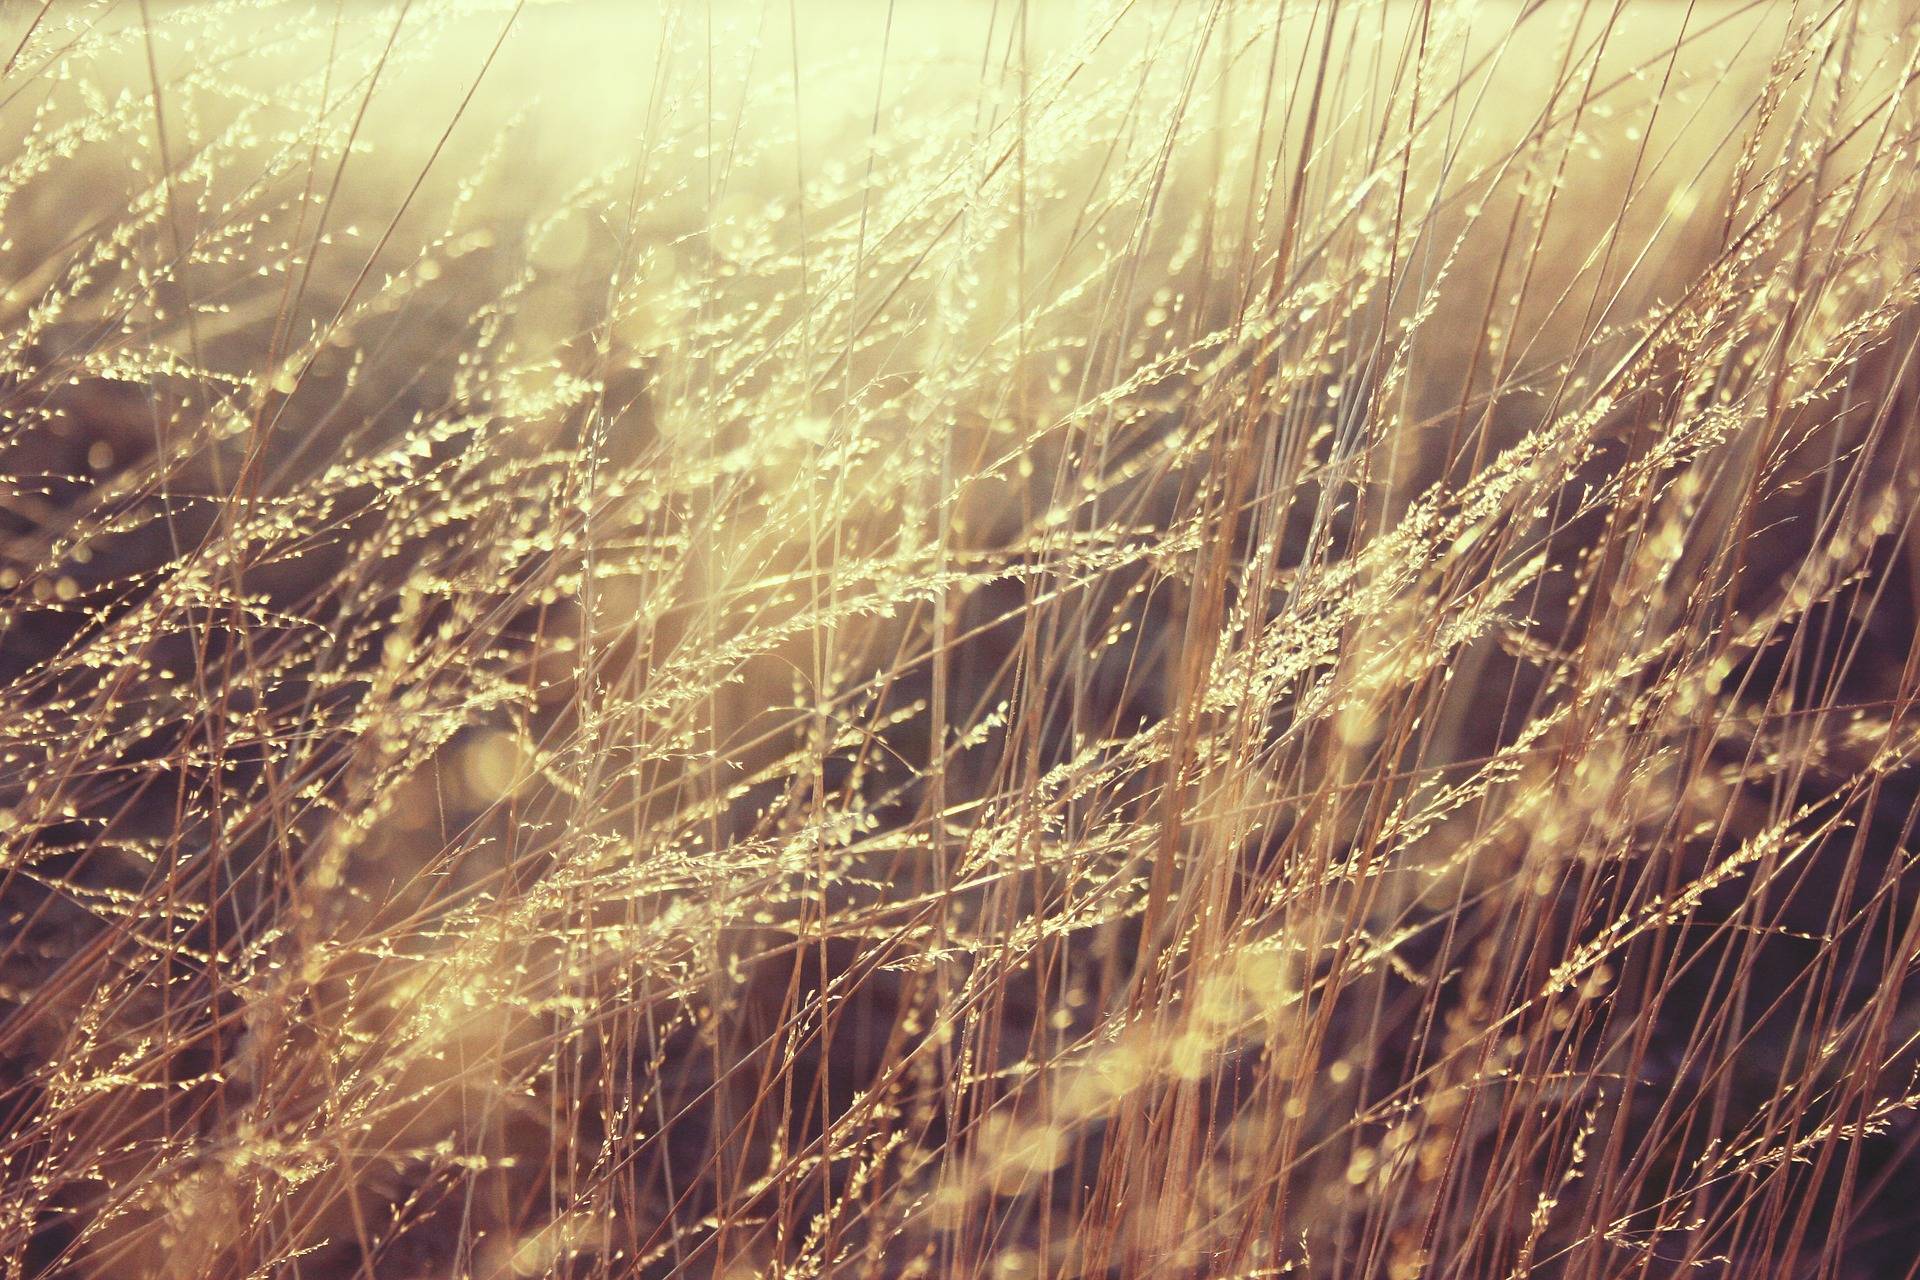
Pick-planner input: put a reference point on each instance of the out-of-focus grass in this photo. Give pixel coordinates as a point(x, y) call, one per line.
point(886, 639)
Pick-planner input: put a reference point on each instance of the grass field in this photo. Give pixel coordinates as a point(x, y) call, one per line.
point(878, 638)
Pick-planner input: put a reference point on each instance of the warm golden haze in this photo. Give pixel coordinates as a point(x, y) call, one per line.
point(888, 639)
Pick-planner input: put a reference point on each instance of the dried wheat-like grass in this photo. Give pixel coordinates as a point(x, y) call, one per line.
point(871, 639)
